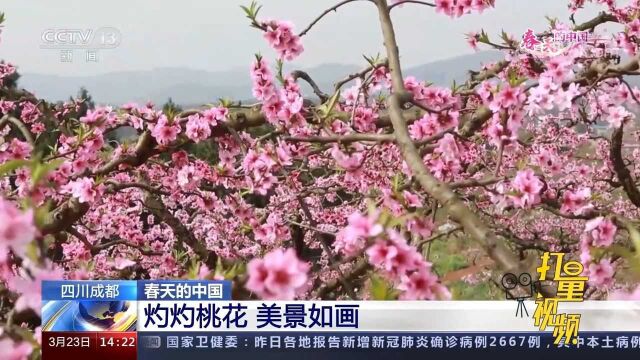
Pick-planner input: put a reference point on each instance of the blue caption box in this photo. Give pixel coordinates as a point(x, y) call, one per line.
point(96, 290)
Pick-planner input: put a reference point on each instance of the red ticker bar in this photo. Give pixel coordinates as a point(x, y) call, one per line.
point(89, 345)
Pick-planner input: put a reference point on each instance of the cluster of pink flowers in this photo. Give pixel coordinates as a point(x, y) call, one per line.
point(617, 115)
point(500, 135)
point(527, 187)
point(99, 116)
point(281, 37)
point(215, 114)
point(188, 177)
point(434, 97)
point(576, 202)
point(508, 97)
point(291, 101)
point(421, 226)
point(265, 90)
point(549, 93)
point(349, 162)
point(549, 161)
point(364, 119)
point(601, 273)
point(623, 295)
point(281, 107)
point(457, 8)
point(82, 189)
point(17, 230)
point(353, 238)
point(402, 263)
point(263, 86)
point(164, 131)
point(259, 168)
point(280, 275)
point(15, 150)
point(29, 285)
point(29, 113)
point(15, 350)
point(6, 70)
point(600, 232)
point(424, 127)
point(445, 162)
point(272, 232)
point(198, 128)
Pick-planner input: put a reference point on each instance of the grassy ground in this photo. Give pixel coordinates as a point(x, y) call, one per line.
point(463, 268)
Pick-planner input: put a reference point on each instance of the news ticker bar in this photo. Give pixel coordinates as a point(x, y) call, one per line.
point(335, 345)
point(419, 316)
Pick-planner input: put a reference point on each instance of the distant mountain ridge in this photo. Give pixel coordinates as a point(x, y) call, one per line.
point(192, 87)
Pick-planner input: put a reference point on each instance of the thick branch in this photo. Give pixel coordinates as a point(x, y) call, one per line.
point(471, 223)
point(358, 270)
point(116, 186)
point(145, 148)
point(342, 139)
point(65, 216)
point(182, 234)
point(624, 175)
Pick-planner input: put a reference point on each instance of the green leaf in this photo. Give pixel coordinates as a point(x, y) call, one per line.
point(252, 10)
point(381, 289)
point(279, 65)
point(194, 269)
point(374, 61)
point(522, 163)
point(232, 272)
point(39, 170)
point(224, 102)
point(326, 108)
point(26, 335)
point(505, 38)
point(32, 251)
point(41, 214)
point(397, 182)
point(635, 238)
point(12, 165)
point(483, 37)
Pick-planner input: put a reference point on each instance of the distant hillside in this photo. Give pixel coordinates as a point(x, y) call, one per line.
point(188, 87)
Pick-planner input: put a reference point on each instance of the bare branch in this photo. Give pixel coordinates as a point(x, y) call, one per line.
point(324, 13)
point(19, 125)
point(471, 223)
point(316, 89)
point(359, 74)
